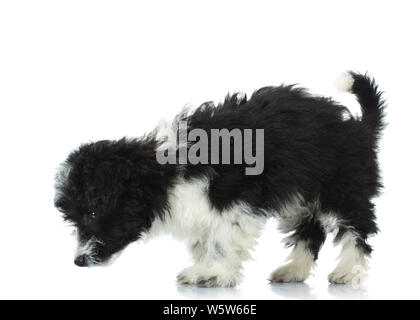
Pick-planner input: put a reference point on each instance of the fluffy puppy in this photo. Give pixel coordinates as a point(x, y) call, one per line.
point(320, 175)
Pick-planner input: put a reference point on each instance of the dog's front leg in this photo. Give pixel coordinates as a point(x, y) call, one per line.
point(215, 265)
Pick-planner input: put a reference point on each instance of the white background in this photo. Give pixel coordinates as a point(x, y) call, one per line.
point(77, 71)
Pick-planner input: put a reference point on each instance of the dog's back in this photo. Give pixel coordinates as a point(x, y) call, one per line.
point(311, 144)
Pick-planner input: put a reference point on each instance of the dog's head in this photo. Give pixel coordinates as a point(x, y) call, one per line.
point(111, 192)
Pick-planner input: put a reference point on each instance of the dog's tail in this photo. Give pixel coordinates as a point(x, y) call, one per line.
point(369, 97)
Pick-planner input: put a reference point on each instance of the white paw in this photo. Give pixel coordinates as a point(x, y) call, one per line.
point(340, 277)
point(349, 276)
point(201, 276)
point(289, 273)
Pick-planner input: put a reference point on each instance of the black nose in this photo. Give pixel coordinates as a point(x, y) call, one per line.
point(81, 261)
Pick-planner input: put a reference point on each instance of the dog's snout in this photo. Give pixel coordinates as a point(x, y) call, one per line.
point(81, 261)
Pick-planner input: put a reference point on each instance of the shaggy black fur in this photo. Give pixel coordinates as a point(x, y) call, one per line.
point(121, 183)
point(309, 150)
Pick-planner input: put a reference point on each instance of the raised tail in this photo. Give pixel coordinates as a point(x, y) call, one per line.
point(369, 96)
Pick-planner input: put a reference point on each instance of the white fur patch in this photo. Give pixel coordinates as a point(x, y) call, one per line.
point(344, 82)
point(351, 259)
point(346, 115)
point(219, 241)
point(61, 177)
point(329, 222)
point(87, 248)
point(298, 268)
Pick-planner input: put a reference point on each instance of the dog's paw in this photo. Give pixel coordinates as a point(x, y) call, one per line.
point(289, 273)
point(348, 275)
point(206, 277)
point(208, 282)
point(340, 277)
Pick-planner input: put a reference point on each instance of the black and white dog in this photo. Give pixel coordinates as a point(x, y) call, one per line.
point(320, 175)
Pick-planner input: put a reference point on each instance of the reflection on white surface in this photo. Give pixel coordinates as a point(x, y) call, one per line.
point(299, 290)
point(192, 292)
point(340, 291)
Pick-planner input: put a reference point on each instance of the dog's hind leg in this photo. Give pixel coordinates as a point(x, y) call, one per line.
point(307, 239)
point(354, 229)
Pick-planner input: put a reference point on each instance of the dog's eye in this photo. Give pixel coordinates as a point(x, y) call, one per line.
point(92, 215)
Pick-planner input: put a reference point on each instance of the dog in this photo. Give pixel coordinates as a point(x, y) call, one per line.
point(320, 175)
